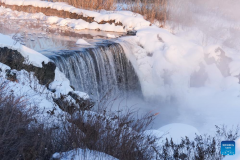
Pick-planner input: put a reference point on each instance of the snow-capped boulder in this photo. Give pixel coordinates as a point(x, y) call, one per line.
point(82, 42)
point(15, 60)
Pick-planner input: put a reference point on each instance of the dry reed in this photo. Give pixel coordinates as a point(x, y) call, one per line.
point(91, 4)
point(152, 10)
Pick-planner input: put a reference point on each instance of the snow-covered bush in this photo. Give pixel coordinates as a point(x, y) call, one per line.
point(119, 135)
point(19, 137)
point(203, 147)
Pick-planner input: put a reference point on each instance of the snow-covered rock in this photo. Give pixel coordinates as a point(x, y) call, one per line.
point(79, 154)
point(82, 42)
point(32, 56)
point(111, 36)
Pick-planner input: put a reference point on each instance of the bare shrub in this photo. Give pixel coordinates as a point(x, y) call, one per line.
point(152, 10)
point(13, 125)
point(21, 136)
point(120, 136)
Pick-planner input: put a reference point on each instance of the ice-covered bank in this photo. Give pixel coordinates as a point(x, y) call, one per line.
point(26, 79)
point(202, 80)
point(118, 21)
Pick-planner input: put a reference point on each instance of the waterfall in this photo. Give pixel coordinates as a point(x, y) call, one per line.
point(99, 70)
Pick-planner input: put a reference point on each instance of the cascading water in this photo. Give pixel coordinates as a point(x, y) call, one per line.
point(99, 70)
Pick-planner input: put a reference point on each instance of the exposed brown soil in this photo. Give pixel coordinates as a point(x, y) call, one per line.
point(54, 12)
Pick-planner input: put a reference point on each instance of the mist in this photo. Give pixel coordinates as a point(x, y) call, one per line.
point(218, 20)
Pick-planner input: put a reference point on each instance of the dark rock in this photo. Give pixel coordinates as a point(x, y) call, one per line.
point(46, 74)
point(10, 75)
point(133, 33)
point(71, 107)
point(15, 60)
point(72, 87)
point(84, 104)
point(52, 90)
point(65, 105)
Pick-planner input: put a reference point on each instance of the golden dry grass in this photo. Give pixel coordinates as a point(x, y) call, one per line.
point(152, 10)
point(91, 4)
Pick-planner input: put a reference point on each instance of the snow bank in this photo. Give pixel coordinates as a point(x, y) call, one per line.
point(77, 24)
point(176, 131)
point(82, 42)
point(82, 154)
point(111, 36)
point(164, 62)
point(128, 19)
point(32, 56)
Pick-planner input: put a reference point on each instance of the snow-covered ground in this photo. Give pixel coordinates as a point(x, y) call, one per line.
point(176, 131)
